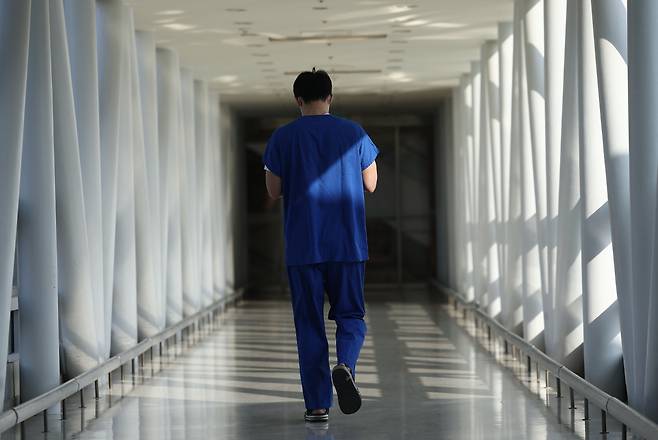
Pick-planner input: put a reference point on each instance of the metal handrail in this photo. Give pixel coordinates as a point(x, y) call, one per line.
point(41, 403)
point(608, 404)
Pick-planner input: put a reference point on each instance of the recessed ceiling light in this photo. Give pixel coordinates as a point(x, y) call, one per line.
point(415, 22)
point(342, 72)
point(446, 25)
point(398, 76)
point(164, 21)
point(179, 26)
point(226, 78)
point(328, 37)
point(170, 12)
point(396, 9)
point(402, 19)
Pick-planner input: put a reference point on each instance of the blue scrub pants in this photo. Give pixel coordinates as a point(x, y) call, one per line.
point(343, 283)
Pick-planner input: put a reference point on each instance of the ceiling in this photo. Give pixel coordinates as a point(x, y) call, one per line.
point(254, 48)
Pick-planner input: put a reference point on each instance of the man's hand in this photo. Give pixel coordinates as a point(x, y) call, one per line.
point(273, 184)
point(370, 177)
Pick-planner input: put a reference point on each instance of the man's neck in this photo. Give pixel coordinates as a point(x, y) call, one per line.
point(315, 108)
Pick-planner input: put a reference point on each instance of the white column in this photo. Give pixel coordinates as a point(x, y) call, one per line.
point(554, 38)
point(147, 278)
point(603, 351)
point(474, 165)
point(484, 184)
point(610, 35)
point(505, 44)
point(511, 300)
point(228, 173)
point(148, 86)
point(533, 32)
point(168, 132)
point(81, 36)
point(37, 236)
point(14, 21)
point(217, 200)
point(533, 317)
point(456, 211)
point(514, 284)
point(108, 22)
point(493, 211)
point(465, 170)
point(187, 161)
point(205, 239)
point(124, 299)
point(643, 113)
point(80, 346)
point(566, 299)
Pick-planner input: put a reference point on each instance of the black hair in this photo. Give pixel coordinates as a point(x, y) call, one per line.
point(312, 86)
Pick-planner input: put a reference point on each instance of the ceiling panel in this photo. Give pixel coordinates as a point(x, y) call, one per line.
point(251, 47)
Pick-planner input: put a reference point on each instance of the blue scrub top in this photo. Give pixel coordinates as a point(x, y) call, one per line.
point(319, 159)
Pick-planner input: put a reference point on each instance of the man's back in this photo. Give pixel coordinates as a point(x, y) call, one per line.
point(320, 159)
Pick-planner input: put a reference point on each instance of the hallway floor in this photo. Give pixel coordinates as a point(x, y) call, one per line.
point(421, 373)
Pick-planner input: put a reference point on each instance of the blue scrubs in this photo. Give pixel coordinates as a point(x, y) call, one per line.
point(320, 159)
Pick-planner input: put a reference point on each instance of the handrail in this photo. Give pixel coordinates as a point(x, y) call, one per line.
point(39, 404)
point(620, 411)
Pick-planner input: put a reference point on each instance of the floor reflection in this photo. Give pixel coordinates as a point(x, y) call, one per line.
point(422, 376)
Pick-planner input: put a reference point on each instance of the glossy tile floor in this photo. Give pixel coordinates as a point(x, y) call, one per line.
point(423, 372)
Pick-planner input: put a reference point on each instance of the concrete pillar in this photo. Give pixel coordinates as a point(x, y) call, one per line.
point(217, 192)
point(511, 301)
point(81, 37)
point(474, 165)
point(168, 70)
point(37, 236)
point(109, 42)
point(187, 162)
point(533, 317)
point(148, 297)
point(493, 209)
point(603, 351)
point(566, 300)
point(204, 163)
point(124, 295)
point(610, 45)
point(466, 155)
point(643, 172)
point(14, 21)
point(80, 346)
point(148, 86)
point(554, 38)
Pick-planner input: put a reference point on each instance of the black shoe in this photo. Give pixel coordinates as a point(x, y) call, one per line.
point(349, 397)
point(322, 417)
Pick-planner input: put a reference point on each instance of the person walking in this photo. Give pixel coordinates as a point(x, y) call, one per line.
point(321, 165)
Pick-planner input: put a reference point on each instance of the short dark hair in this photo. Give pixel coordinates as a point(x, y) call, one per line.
point(312, 86)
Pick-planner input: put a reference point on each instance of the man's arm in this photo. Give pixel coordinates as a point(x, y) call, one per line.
point(370, 177)
point(273, 184)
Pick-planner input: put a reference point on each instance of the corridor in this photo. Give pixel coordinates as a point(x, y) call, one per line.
point(422, 374)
